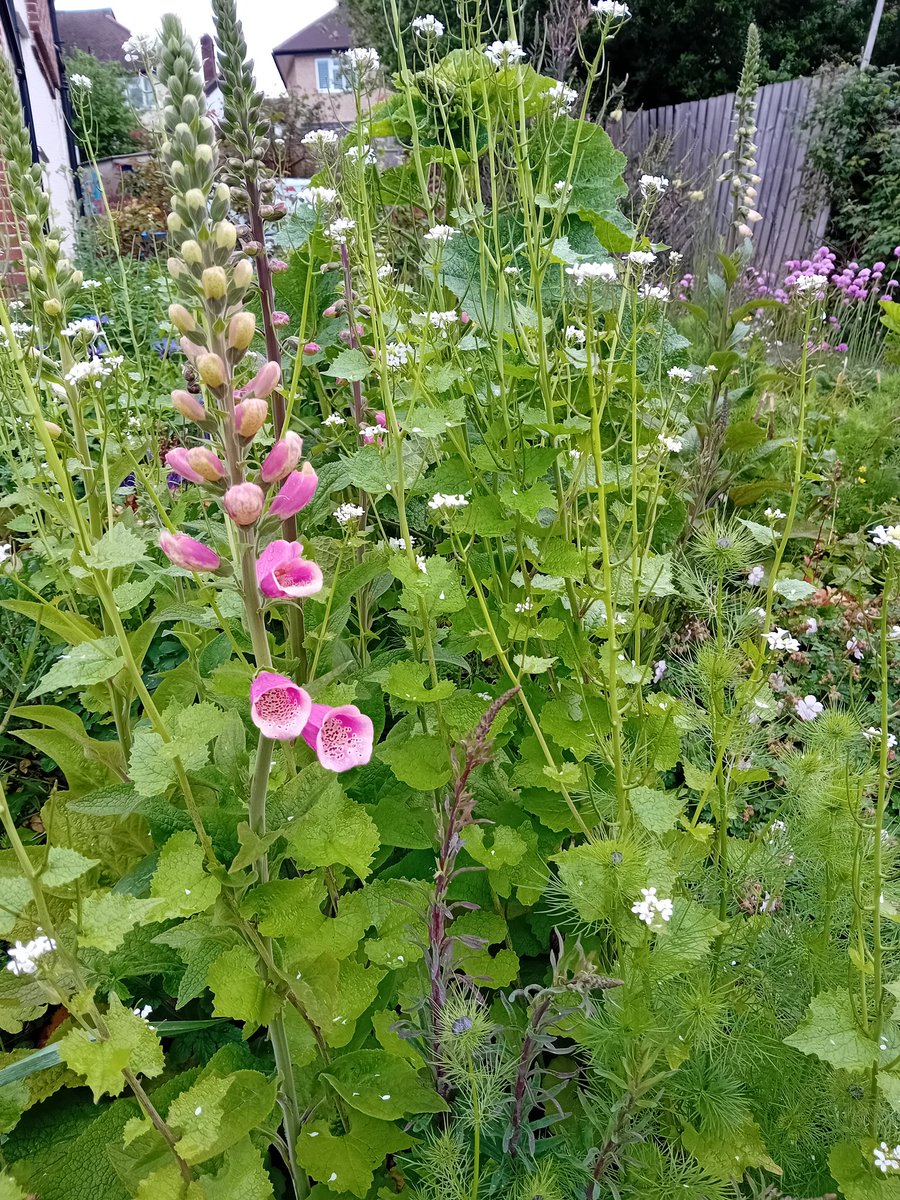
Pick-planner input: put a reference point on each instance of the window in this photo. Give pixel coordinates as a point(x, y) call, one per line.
point(139, 92)
point(328, 75)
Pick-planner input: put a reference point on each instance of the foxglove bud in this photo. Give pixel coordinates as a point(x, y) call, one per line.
point(282, 458)
point(312, 348)
point(188, 348)
point(187, 553)
point(244, 502)
point(191, 252)
point(225, 235)
point(177, 461)
point(264, 382)
point(188, 405)
point(215, 283)
point(181, 318)
point(211, 370)
point(53, 429)
point(243, 273)
point(250, 416)
point(241, 328)
point(206, 463)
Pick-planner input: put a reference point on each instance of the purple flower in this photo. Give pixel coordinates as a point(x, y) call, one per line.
point(283, 573)
point(244, 502)
point(177, 460)
point(187, 552)
point(280, 318)
point(279, 708)
point(295, 493)
point(282, 458)
point(341, 737)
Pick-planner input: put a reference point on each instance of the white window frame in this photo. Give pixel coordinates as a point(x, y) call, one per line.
point(333, 73)
point(139, 91)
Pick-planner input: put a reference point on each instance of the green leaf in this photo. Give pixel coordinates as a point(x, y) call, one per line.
point(382, 1086)
point(831, 1033)
point(794, 590)
point(406, 681)
point(9, 1189)
point(198, 943)
point(852, 1166)
point(421, 761)
point(150, 770)
point(239, 990)
point(181, 879)
point(242, 1174)
point(763, 535)
point(131, 1045)
point(347, 1162)
point(218, 1111)
point(335, 830)
point(64, 866)
point(657, 811)
point(129, 595)
point(83, 665)
point(119, 547)
point(351, 365)
point(728, 1156)
point(106, 917)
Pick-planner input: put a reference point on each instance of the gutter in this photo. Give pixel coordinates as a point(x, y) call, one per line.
point(11, 35)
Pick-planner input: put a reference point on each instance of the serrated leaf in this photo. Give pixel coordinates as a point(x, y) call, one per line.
point(794, 590)
point(218, 1111)
point(657, 811)
point(119, 547)
point(763, 535)
point(151, 771)
point(347, 1162)
point(64, 866)
point(336, 830)
point(242, 1174)
point(180, 879)
point(382, 1086)
point(85, 664)
point(239, 991)
point(106, 917)
point(131, 1044)
point(421, 761)
point(830, 1032)
point(351, 365)
point(129, 595)
point(406, 681)
point(853, 1168)
point(534, 664)
point(728, 1157)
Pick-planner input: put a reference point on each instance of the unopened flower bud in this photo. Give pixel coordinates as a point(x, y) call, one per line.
point(204, 154)
point(189, 349)
point(312, 348)
point(241, 329)
point(243, 273)
point(194, 198)
point(282, 458)
point(187, 553)
point(206, 463)
point(244, 502)
point(174, 223)
point(225, 235)
point(215, 283)
point(250, 416)
point(264, 382)
point(181, 318)
point(52, 307)
point(53, 429)
point(191, 252)
point(188, 405)
point(175, 266)
point(211, 370)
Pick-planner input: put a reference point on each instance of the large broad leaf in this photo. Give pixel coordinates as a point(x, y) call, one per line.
point(83, 665)
point(131, 1045)
point(380, 1085)
point(831, 1033)
point(597, 183)
point(347, 1162)
point(119, 547)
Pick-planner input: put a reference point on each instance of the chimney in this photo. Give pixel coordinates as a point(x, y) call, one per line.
point(208, 54)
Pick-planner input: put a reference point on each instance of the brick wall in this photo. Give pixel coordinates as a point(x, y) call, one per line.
point(42, 31)
point(10, 254)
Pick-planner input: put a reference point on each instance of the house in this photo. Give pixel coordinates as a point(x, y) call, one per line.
point(29, 38)
point(97, 32)
point(309, 64)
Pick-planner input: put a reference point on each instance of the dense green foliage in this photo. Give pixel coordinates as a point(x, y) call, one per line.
point(496, 805)
point(103, 120)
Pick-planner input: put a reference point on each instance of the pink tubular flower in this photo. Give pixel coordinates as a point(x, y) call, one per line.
point(282, 458)
point(283, 573)
point(244, 502)
point(341, 737)
point(188, 405)
point(207, 464)
point(279, 708)
point(295, 493)
point(177, 461)
point(187, 552)
point(263, 383)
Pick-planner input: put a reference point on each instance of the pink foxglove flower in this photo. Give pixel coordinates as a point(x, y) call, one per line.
point(250, 416)
point(177, 461)
point(206, 463)
point(187, 552)
point(244, 502)
point(282, 458)
point(282, 572)
point(295, 493)
point(279, 708)
point(188, 405)
point(341, 737)
point(263, 383)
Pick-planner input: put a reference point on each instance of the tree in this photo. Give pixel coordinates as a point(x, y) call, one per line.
point(103, 121)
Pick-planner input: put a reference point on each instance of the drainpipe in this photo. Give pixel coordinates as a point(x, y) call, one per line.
point(66, 105)
point(11, 35)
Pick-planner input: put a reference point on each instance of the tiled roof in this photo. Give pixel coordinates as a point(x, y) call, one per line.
point(94, 30)
point(329, 33)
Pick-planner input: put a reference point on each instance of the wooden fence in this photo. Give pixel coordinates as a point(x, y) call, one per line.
point(687, 141)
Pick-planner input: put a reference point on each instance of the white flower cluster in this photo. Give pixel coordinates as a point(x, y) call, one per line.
point(400, 543)
point(334, 421)
point(873, 734)
point(755, 576)
point(444, 500)
point(320, 138)
point(780, 639)
point(427, 27)
point(95, 369)
point(82, 83)
point(812, 286)
point(652, 185)
point(642, 258)
point(90, 285)
point(561, 98)
point(582, 272)
point(339, 229)
point(440, 233)
point(85, 326)
point(775, 514)
point(505, 54)
point(19, 329)
point(673, 444)
point(141, 47)
point(576, 336)
point(682, 374)
point(360, 65)
point(886, 535)
point(347, 513)
point(318, 197)
point(443, 320)
point(398, 354)
point(23, 956)
point(653, 910)
point(655, 291)
point(613, 9)
point(363, 154)
point(886, 1159)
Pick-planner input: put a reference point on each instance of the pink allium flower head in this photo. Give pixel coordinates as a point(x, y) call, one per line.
point(187, 552)
point(312, 348)
point(188, 405)
point(263, 383)
point(280, 318)
point(244, 502)
point(279, 708)
point(282, 572)
point(282, 458)
point(295, 493)
point(841, 348)
point(897, 252)
point(250, 416)
point(206, 463)
point(177, 461)
point(341, 737)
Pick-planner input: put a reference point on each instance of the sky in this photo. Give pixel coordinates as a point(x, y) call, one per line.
point(266, 23)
